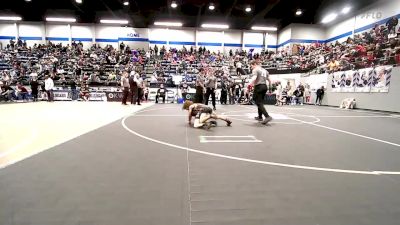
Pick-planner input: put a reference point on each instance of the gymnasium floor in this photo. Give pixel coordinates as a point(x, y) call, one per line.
point(312, 165)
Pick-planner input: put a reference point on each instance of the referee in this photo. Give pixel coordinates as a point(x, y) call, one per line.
point(259, 80)
point(211, 86)
point(198, 98)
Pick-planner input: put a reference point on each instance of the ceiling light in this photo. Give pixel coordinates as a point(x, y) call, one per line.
point(264, 28)
point(28, 0)
point(174, 5)
point(329, 18)
point(57, 19)
point(126, 3)
point(248, 9)
point(218, 26)
point(346, 10)
point(299, 12)
point(78, 1)
point(170, 24)
point(15, 18)
point(211, 7)
point(115, 21)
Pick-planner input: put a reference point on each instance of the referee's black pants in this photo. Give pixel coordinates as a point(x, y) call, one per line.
point(259, 94)
point(125, 93)
point(210, 91)
point(198, 97)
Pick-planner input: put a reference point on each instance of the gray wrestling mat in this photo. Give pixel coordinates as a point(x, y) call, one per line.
point(312, 165)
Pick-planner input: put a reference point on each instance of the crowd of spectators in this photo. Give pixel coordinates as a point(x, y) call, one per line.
point(377, 46)
point(72, 65)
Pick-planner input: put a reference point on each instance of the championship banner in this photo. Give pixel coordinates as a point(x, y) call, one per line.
point(62, 95)
point(364, 80)
point(381, 79)
point(97, 96)
point(364, 77)
point(348, 81)
point(338, 81)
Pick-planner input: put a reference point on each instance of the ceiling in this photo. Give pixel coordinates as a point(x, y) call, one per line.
point(143, 13)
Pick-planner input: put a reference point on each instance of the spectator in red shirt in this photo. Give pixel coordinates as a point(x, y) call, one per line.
point(22, 92)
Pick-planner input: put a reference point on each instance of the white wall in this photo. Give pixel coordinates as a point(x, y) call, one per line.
point(232, 41)
point(107, 35)
point(158, 35)
point(32, 33)
point(211, 40)
point(307, 32)
point(346, 26)
point(271, 39)
point(58, 33)
point(84, 34)
point(364, 18)
point(253, 40)
point(88, 34)
point(175, 35)
point(284, 35)
point(7, 31)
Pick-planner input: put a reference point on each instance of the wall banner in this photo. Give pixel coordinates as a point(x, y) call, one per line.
point(363, 80)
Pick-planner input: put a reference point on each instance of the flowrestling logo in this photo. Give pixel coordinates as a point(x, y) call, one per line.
point(371, 15)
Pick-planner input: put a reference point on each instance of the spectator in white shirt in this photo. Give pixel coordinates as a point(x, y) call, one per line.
point(48, 86)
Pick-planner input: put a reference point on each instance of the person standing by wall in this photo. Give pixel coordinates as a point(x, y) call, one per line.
point(74, 92)
point(211, 86)
point(140, 85)
point(125, 87)
point(231, 92)
point(259, 80)
point(133, 87)
point(198, 98)
point(320, 95)
point(278, 92)
point(224, 91)
point(49, 86)
point(35, 89)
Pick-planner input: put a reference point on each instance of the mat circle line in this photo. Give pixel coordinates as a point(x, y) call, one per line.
point(293, 166)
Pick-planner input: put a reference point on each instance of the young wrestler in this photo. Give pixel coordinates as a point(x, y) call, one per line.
point(202, 114)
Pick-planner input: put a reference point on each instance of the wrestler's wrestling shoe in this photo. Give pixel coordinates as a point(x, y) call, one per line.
point(213, 123)
point(207, 125)
point(228, 123)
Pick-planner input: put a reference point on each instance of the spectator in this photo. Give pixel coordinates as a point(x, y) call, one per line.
point(161, 93)
point(84, 92)
point(7, 93)
point(133, 87)
point(333, 65)
point(278, 92)
point(74, 92)
point(49, 86)
point(392, 23)
point(146, 94)
point(22, 92)
point(125, 87)
point(320, 95)
point(35, 89)
point(224, 91)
